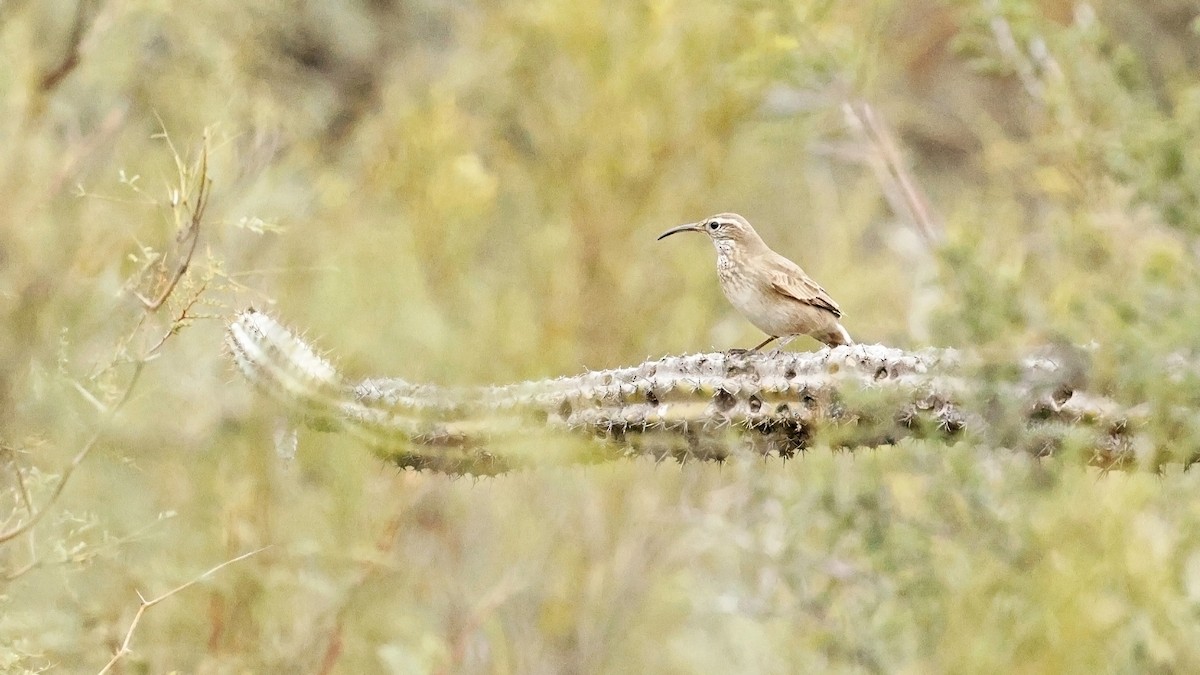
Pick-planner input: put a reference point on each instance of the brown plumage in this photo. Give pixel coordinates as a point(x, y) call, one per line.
point(767, 288)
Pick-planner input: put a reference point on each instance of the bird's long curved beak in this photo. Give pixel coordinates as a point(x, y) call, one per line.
point(690, 227)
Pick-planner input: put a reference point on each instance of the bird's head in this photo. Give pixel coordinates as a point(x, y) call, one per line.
point(721, 227)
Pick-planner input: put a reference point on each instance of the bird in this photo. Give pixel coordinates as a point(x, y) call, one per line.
point(772, 292)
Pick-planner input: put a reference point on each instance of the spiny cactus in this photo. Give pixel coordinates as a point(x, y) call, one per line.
point(694, 406)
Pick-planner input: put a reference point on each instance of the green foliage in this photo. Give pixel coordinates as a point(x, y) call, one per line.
point(469, 192)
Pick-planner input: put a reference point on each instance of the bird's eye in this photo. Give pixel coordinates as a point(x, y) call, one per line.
point(713, 225)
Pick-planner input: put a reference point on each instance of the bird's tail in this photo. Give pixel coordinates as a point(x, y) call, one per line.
point(836, 336)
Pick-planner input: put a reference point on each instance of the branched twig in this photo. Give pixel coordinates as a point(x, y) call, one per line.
point(188, 239)
point(190, 235)
point(147, 604)
point(77, 556)
point(179, 320)
point(36, 517)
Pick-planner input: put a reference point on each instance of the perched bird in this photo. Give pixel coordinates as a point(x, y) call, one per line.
point(767, 288)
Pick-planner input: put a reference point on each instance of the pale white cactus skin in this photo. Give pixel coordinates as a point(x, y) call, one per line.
point(698, 405)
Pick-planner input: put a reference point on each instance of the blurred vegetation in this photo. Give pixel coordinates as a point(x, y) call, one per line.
point(469, 192)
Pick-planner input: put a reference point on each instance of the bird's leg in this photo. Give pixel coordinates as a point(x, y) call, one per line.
point(783, 341)
point(764, 343)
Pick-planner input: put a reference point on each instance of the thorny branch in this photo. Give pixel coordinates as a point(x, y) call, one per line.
point(147, 604)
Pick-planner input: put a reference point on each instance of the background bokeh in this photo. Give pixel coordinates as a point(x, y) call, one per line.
point(469, 192)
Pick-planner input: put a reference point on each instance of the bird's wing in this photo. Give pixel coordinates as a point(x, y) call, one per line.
point(788, 279)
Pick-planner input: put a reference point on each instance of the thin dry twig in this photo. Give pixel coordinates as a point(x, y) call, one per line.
point(71, 58)
point(1016, 58)
point(190, 236)
point(22, 489)
point(333, 643)
point(147, 604)
point(899, 186)
point(27, 502)
point(81, 150)
point(179, 321)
